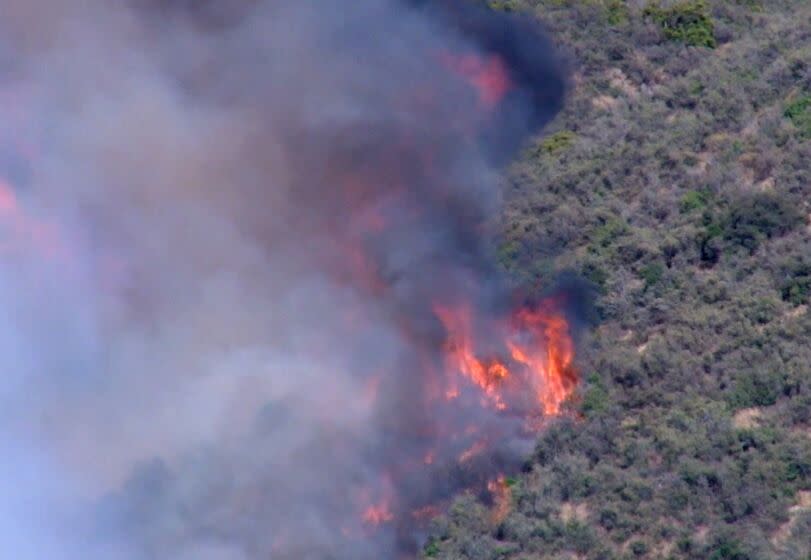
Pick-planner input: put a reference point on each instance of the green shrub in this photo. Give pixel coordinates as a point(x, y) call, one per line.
point(608, 232)
point(684, 545)
point(580, 536)
point(609, 519)
point(728, 549)
point(558, 142)
point(709, 237)
point(687, 21)
point(504, 5)
point(795, 287)
point(760, 310)
point(616, 12)
point(652, 273)
point(431, 549)
point(507, 253)
point(756, 389)
point(595, 273)
point(799, 113)
point(639, 548)
point(693, 200)
point(595, 400)
point(754, 218)
point(798, 469)
point(754, 5)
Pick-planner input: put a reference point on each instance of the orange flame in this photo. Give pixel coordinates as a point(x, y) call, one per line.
point(376, 503)
point(377, 514)
point(540, 349)
point(554, 378)
point(487, 374)
point(472, 451)
point(500, 490)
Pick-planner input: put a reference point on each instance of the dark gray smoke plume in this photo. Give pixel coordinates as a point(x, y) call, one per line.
point(226, 229)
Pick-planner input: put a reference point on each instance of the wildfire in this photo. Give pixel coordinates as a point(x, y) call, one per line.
point(377, 501)
point(383, 197)
point(540, 351)
point(500, 491)
point(472, 451)
point(486, 374)
point(487, 75)
point(427, 512)
point(551, 363)
point(377, 514)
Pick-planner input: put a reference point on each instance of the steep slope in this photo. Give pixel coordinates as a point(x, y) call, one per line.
point(677, 179)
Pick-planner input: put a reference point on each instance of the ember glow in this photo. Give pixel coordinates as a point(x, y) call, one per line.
point(500, 491)
point(487, 75)
point(284, 332)
point(375, 515)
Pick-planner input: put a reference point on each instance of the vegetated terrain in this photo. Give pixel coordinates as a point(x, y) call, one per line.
point(677, 179)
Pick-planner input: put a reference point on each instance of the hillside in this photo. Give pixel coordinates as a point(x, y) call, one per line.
point(677, 180)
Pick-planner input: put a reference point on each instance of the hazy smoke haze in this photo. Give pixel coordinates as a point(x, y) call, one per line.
point(218, 275)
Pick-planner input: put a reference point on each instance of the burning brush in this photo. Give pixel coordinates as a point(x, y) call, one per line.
point(308, 259)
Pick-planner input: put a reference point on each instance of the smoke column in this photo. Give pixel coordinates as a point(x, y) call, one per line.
point(250, 306)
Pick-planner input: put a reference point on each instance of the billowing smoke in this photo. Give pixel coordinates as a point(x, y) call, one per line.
point(250, 303)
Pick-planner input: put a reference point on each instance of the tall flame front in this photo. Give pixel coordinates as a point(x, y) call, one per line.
point(537, 356)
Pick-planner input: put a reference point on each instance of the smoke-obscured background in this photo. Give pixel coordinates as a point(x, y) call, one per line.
point(228, 230)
